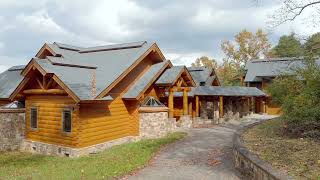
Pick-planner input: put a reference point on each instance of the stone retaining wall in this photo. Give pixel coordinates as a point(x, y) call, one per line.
point(156, 124)
point(250, 165)
point(12, 127)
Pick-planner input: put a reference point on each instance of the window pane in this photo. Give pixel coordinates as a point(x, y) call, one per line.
point(34, 118)
point(67, 121)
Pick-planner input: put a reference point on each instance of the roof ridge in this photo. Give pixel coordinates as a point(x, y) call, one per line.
point(113, 47)
point(68, 46)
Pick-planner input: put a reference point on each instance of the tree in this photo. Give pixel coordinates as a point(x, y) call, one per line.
point(298, 93)
point(291, 9)
point(312, 45)
point(206, 62)
point(288, 46)
point(247, 46)
point(228, 74)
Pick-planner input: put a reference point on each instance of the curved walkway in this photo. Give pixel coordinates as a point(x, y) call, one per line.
point(206, 153)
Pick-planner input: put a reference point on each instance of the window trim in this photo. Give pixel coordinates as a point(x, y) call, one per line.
point(37, 119)
point(63, 120)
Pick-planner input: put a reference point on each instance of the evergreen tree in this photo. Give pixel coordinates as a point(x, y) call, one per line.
point(288, 46)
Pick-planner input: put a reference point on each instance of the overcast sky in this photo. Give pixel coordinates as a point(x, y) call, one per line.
point(184, 30)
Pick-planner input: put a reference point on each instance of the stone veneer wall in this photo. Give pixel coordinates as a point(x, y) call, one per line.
point(250, 165)
point(12, 129)
point(56, 150)
point(156, 124)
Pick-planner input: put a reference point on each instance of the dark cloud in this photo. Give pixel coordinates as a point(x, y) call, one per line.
point(183, 29)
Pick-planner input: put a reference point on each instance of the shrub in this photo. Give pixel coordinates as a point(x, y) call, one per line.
point(298, 93)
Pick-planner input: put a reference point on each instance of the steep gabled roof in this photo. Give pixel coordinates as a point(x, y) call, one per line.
point(146, 80)
point(202, 75)
point(170, 76)
point(76, 66)
point(256, 69)
point(9, 80)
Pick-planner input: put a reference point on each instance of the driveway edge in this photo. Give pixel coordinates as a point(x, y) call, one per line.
point(249, 164)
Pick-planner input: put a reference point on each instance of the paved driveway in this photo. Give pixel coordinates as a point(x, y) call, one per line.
point(206, 153)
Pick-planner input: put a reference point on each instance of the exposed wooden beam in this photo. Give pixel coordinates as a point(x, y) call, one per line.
point(39, 83)
point(49, 84)
point(44, 91)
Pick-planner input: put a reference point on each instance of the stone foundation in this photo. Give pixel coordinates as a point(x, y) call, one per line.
point(62, 151)
point(156, 124)
point(12, 129)
point(185, 121)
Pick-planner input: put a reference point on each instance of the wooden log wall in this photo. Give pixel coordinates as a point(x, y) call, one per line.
point(104, 122)
point(50, 120)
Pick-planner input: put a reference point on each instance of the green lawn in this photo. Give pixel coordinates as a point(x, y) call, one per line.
point(114, 162)
point(299, 157)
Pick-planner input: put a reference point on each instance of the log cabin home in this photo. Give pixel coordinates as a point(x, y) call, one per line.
point(78, 99)
point(261, 72)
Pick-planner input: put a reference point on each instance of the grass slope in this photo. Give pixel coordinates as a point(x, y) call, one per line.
point(299, 157)
point(114, 162)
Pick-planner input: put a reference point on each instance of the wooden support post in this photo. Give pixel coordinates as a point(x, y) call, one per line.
point(264, 106)
point(185, 102)
point(170, 103)
point(190, 108)
point(197, 106)
point(221, 107)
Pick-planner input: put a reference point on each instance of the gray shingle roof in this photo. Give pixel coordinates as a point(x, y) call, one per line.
point(170, 75)
point(270, 68)
point(239, 91)
point(109, 64)
point(143, 82)
point(227, 91)
point(200, 74)
point(9, 80)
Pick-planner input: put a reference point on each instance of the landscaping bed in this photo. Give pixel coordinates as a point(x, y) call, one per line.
point(114, 162)
point(299, 157)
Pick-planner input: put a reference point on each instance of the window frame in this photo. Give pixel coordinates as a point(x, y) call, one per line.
point(37, 117)
point(63, 120)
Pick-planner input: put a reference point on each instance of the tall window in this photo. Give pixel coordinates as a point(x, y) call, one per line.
point(66, 120)
point(34, 118)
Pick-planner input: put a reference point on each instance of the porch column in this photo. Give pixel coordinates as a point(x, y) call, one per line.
point(170, 103)
point(185, 102)
point(221, 107)
point(190, 108)
point(264, 106)
point(197, 106)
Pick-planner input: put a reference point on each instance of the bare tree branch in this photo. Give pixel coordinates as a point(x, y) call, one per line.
point(291, 9)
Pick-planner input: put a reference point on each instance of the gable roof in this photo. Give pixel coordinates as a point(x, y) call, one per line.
point(170, 76)
point(146, 80)
point(9, 80)
point(256, 69)
point(202, 74)
point(76, 66)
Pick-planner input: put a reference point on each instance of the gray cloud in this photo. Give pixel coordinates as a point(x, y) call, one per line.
point(183, 29)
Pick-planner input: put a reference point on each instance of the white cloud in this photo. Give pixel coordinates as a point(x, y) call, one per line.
point(40, 22)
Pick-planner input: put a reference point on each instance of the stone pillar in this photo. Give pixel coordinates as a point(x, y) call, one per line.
point(185, 102)
point(197, 106)
point(221, 107)
point(170, 103)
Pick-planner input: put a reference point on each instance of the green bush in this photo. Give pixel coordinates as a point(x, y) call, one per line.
point(298, 93)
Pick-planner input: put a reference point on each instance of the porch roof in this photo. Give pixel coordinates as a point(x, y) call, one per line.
point(239, 91)
point(228, 91)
